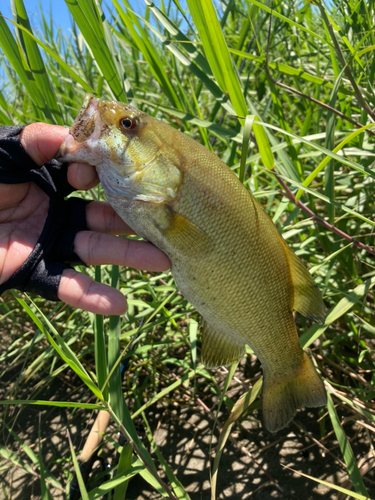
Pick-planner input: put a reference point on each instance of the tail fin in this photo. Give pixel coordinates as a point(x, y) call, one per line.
point(283, 396)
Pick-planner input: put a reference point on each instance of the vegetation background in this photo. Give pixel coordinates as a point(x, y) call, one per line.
point(283, 93)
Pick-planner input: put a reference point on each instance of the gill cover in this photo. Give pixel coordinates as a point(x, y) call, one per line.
point(129, 156)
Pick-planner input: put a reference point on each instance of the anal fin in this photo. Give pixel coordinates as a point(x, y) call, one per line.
point(219, 349)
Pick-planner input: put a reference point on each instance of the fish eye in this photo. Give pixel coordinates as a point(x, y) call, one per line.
point(128, 123)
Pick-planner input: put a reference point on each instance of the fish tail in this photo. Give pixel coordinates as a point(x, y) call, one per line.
point(282, 396)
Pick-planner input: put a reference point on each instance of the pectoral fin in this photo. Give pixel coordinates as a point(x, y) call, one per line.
point(219, 349)
point(184, 234)
point(307, 297)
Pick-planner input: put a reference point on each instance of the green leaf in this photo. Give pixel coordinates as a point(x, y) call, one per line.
point(12, 53)
point(217, 53)
point(245, 145)
point(58, 404)
point(318, 147)
point(239, 408)
point(124, 465)
point(88, 19)
point(116, 482)
point(33, 458)
point(61, 347)
point(330, 485)
point(167, 390)
point(141, 39)
point(116, 397)
point(193, 327)
point(81, 483)
point(287, 20)
point(100, 347)
point(173, 30)
point(263, 145)
point(45, 493)
point(36, 64)
point(178, 489)
point(326, 160)
point(339, 310)
point(61, 63)
point(194, 61)
point(346, 450)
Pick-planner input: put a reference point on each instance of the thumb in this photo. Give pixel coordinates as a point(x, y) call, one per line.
point(42, 141)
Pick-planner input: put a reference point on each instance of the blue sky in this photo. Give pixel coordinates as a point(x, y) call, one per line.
point(60, 12)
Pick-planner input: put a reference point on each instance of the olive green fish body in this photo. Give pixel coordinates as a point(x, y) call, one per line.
point(228, 259)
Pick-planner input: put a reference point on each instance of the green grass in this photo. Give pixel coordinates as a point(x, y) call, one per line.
point(287, 102)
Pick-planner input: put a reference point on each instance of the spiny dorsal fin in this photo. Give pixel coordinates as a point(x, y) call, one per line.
point(219, 349)
point(307, 297)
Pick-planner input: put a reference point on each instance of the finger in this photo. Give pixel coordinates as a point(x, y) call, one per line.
point(82, 176)
point(79, 290)
point(97, 248)
point(42, 141)
point(101, 217)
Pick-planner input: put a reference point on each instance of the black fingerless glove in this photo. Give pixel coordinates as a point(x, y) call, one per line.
point(54, 250)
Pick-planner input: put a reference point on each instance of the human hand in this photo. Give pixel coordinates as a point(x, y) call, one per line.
point(23, 211)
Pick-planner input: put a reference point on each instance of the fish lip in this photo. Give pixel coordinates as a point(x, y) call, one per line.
point(64, 147)
point(86, 123)
point(86, 127)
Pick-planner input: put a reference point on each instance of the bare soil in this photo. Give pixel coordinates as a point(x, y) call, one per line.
point(255, 464)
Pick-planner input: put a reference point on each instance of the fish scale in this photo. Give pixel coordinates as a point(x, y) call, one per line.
point(228, 259)
point(243, 239)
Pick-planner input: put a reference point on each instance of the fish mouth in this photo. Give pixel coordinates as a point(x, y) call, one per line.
point(87, 125)
point(84, 125)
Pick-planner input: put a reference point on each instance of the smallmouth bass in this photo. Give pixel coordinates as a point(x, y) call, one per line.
point(228, 259)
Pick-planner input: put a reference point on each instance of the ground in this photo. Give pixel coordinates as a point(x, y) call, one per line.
point(254, 463)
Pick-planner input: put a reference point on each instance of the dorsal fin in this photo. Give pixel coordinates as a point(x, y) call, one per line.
point(307, 297)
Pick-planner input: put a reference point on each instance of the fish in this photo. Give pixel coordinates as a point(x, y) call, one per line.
point(227, 257)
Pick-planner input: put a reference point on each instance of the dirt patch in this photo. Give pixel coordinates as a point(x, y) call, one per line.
point(252, 465)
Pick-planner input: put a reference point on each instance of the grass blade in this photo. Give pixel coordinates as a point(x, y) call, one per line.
point(116, 482)
point(124, 465)
point(339, 310)
point(87, 17)
point(100, 347)
point(116, 397)
point(326, 160)
point(58, 404)
point(287, 20)
point(177, 486)
point(36, 64)
point(346, 450)
point(45, 493)
point(81, 484)
point(141, 39)
point(61, 347)
point(190, 61)
point(331, 485)
point(61, 63)
point(238, 409)
point(245, 145)
point(217, 53)
point(12, 53)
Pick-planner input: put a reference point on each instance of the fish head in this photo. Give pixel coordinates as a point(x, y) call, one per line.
point(128, 149)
